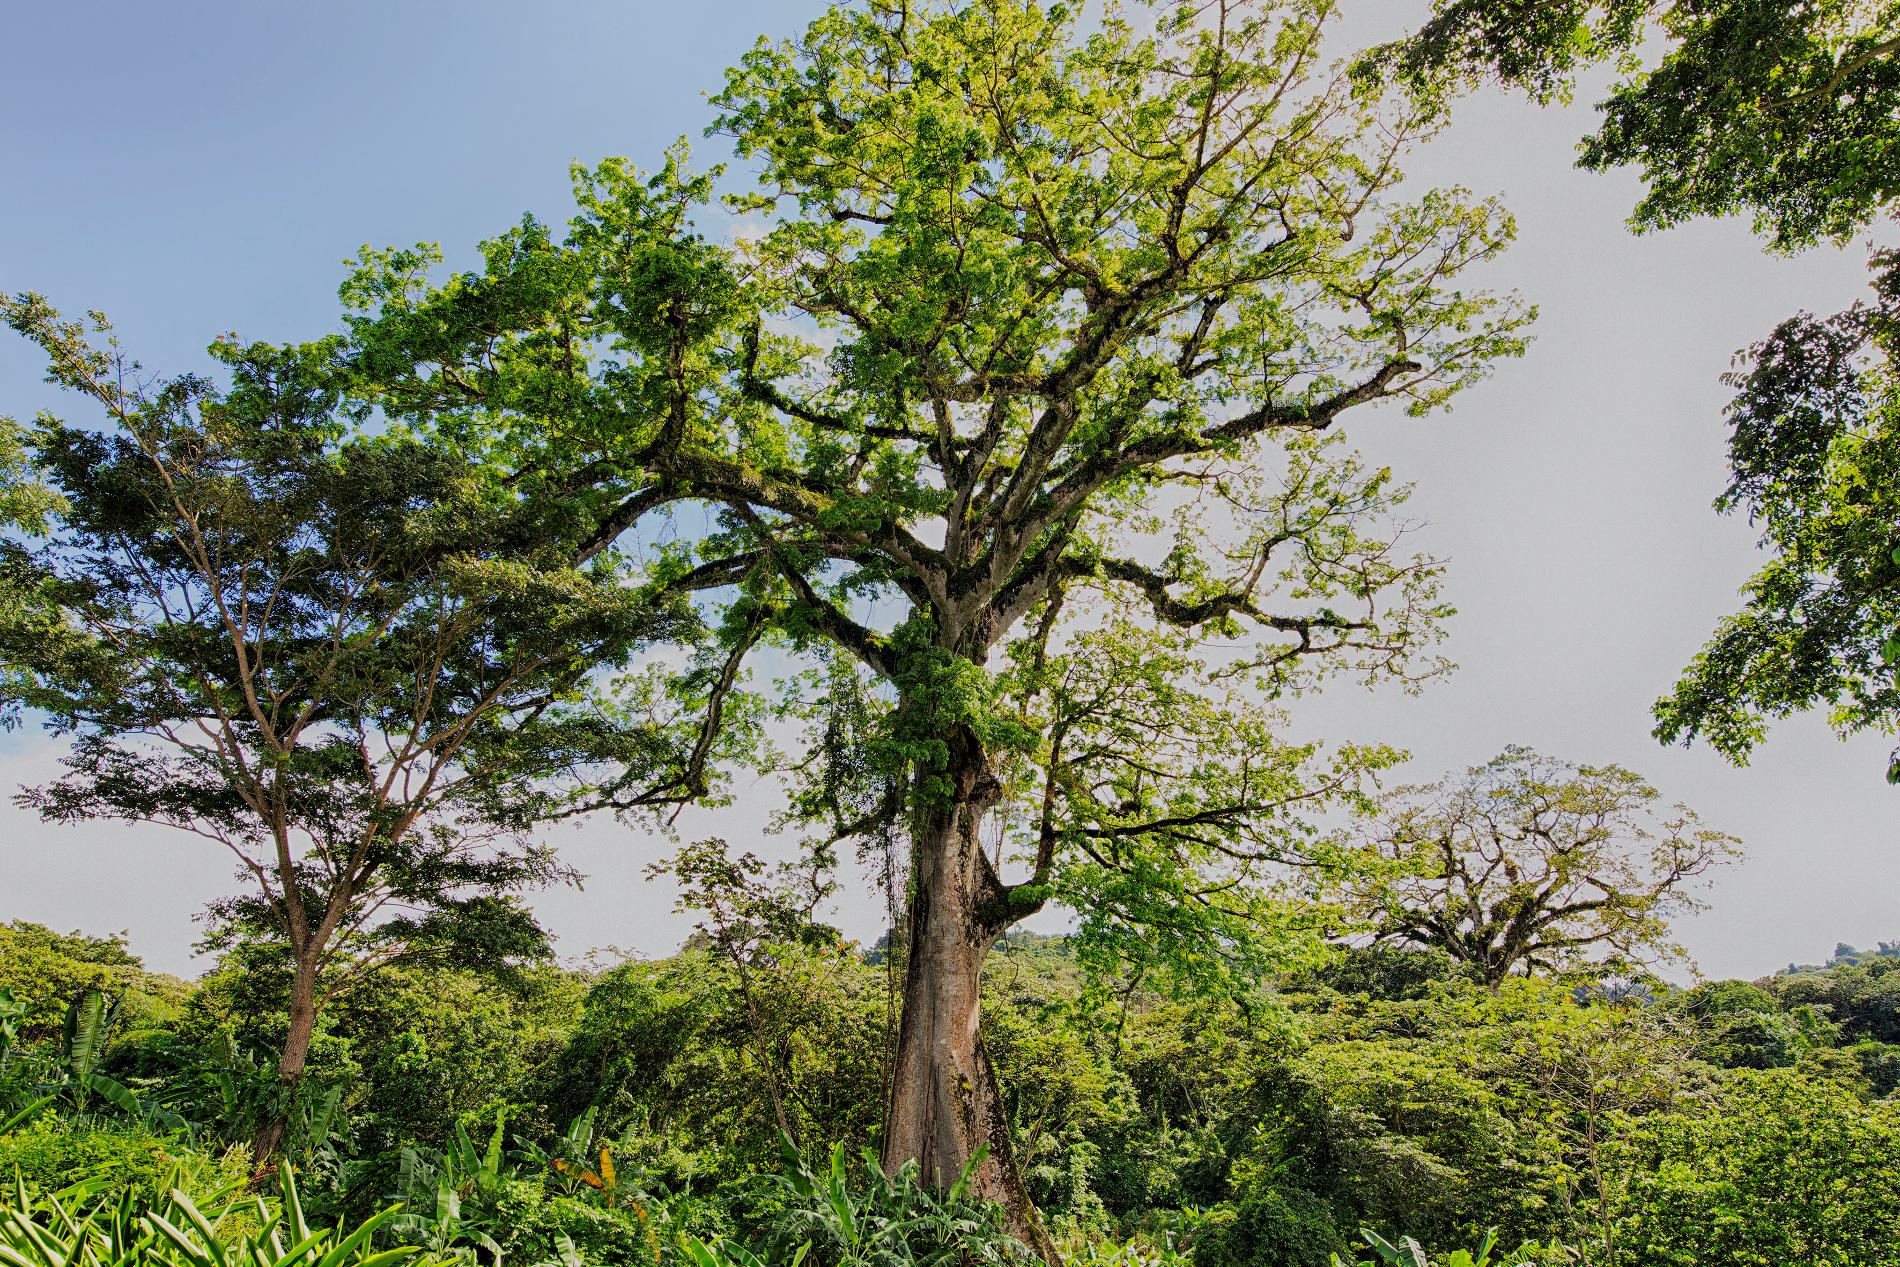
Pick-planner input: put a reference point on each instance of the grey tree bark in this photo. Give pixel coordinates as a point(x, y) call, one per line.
point(946, 1104)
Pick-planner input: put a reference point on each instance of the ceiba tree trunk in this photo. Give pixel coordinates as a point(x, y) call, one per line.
point(945, 1101)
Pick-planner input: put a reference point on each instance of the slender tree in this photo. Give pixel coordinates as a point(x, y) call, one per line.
point(359, 663)
point(1529, 865)
point(752, 918)
point(1014, 386)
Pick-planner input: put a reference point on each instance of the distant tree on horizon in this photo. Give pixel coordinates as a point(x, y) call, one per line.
point(1528, 864)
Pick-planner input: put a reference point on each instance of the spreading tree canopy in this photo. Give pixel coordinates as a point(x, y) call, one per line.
point(1527, 864)
point(354, 659)
point(1011, 380)
point(1814, 460)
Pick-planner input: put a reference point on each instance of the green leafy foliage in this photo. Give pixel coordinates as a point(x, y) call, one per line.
point(1786, 113)
point(44, 972)
point(1765, 1168)
point(1814, 456)
point(1271, 1224)
point(1407, 1252)
point(620, 1119)
point(1783, 112)
point(879, 1220)
point(124, 1155)
point(224, 1227)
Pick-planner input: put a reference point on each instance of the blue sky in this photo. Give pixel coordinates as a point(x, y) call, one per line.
point(196, 168)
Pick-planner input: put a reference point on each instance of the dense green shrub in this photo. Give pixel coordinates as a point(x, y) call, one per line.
point(45, 972)
point(1772, 1168)
point(1287, 1227)
point(53, 1151)
point(1879, 1065)
point(1862, 997)
point(861, 1217)
point(1407, 1252)
point(1746, 1027)
point(668, 1056)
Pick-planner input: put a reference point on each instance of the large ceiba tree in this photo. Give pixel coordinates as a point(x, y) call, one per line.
point(1008, 385)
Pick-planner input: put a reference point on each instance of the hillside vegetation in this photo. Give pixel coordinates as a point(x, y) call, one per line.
point(542, 1112)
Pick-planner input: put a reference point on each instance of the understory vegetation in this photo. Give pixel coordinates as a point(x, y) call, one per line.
point(619, 1116)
